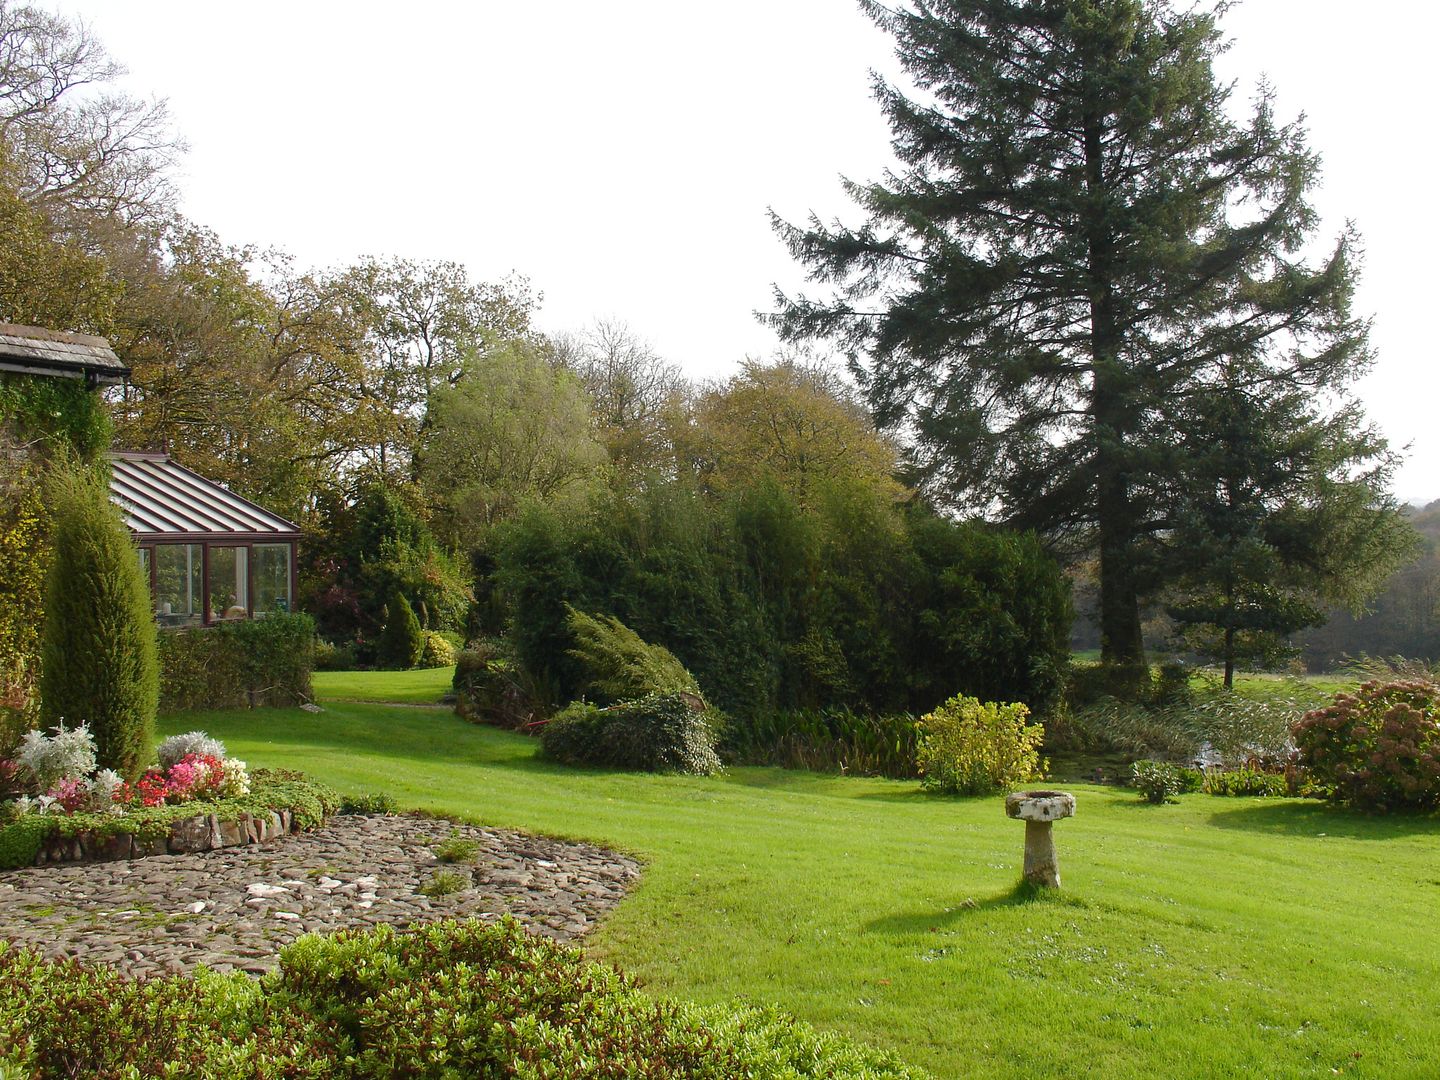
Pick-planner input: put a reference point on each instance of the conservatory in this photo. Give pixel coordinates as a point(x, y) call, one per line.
point(211, 556)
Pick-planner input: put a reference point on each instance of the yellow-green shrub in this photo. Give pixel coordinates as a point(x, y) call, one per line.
point(436, 652)
point(969, 747)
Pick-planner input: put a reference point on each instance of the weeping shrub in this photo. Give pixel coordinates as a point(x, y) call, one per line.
point(619, 665)
point(98, 654)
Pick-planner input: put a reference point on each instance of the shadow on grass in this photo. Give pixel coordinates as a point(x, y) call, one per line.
point(1022, 894)
point(1312, 819)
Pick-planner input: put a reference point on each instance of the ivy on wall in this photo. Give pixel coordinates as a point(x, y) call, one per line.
point(42, 419)
point(47, 414)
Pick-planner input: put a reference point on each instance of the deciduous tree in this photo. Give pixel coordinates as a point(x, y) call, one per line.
point(510, 426)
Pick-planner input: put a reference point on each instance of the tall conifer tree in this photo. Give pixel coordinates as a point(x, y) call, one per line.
point(98, 658)
point(1079, 238)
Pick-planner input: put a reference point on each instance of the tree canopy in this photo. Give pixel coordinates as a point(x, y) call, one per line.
point(1079, 239)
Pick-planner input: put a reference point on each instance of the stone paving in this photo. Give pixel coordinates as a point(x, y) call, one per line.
point(233, 909)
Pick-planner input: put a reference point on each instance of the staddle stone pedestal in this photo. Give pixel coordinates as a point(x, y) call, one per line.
point(1040, 810)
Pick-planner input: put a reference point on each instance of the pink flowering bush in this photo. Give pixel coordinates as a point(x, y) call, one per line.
point(1377, 748)
point(72, 793)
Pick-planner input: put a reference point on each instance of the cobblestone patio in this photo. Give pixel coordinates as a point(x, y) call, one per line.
point(235, 908)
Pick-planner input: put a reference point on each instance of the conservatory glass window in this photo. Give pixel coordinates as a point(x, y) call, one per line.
point(272, 578)
point(178, 583)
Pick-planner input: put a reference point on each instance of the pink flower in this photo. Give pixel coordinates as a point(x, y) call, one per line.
point(71, 794)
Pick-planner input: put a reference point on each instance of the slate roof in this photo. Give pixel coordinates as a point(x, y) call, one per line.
point(33, 350)
point(163, 500)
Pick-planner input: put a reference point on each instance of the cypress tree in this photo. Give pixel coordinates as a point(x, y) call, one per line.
point(1078, 240)
point(401, 641)
point(98, 656)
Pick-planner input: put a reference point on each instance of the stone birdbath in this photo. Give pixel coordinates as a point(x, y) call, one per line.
point(1040, 810)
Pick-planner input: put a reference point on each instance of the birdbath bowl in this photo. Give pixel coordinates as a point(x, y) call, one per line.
point(1040, 810)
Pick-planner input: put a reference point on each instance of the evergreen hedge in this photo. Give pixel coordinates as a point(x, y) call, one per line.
point(774, 608)
point(240, 664)
point(98, 654)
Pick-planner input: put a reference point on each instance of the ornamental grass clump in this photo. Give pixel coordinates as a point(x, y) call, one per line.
point(1377, 748)
point(969, 747)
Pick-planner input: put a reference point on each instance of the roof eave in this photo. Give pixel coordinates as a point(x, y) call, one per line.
point(103, 376)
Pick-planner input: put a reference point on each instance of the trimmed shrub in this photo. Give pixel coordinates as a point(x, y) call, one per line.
point(1377, 748)
point(619, 665)
point(241, 664)
point(657, 733)
point(1156, 781)
point(98, 657)
point(436, 652)
point(401, 641)
point(972, 748)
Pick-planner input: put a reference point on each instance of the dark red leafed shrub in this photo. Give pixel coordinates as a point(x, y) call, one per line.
point(1377, 748)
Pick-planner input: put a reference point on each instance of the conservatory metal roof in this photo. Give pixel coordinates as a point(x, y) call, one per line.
point(165, 501)
point(33, 350)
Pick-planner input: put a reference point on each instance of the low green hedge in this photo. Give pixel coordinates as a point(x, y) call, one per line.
point(309, 803)
point(450, 1000)
point(656, 733)
point(238, 664)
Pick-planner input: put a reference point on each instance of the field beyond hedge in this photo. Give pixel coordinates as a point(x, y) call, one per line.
point(1219, 937)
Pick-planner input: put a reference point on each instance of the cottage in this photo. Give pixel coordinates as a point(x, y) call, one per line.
point(32, 350)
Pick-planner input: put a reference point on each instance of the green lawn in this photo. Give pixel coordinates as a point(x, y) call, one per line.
point(423, 686)
point(1234, 938)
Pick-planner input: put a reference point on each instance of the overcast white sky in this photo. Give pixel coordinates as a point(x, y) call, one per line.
point(622, 155)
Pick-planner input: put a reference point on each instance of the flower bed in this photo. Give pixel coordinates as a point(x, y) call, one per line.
point(61, 809)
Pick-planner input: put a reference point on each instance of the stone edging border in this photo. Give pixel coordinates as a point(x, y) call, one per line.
point(203, 832)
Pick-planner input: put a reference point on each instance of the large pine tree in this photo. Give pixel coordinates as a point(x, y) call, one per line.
point(1079, 239)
